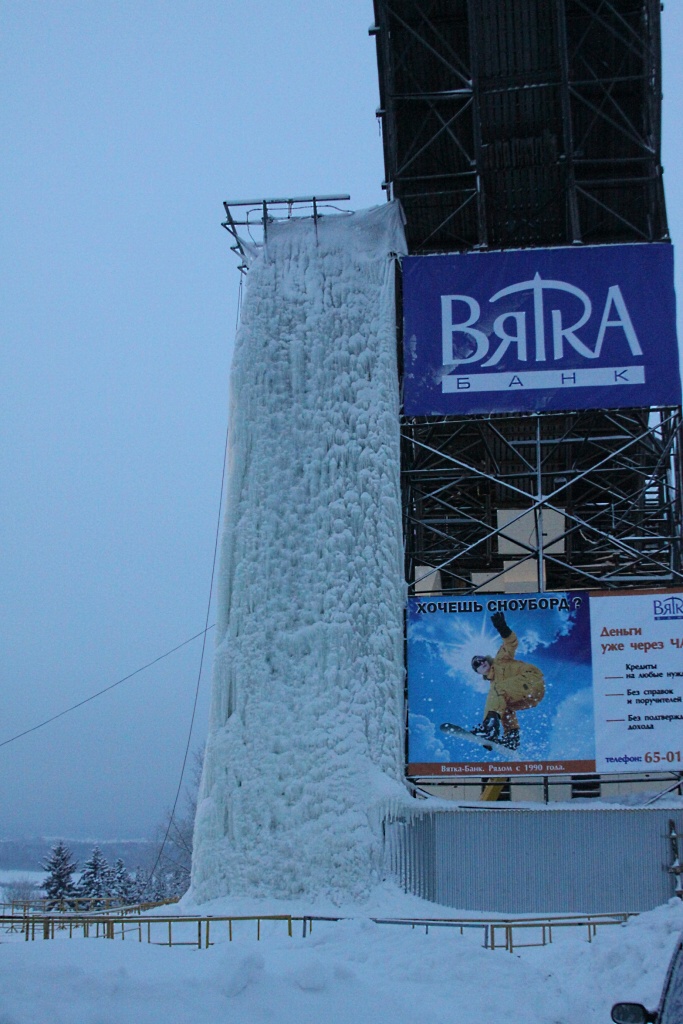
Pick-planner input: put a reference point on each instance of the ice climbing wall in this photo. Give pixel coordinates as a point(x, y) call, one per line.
point(305, 744)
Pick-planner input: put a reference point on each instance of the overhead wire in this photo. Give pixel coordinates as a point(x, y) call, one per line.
point(171, 819)
point(142, 668)
point(86, 700)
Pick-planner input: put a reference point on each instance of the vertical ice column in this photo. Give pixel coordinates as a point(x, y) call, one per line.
point(306, 731)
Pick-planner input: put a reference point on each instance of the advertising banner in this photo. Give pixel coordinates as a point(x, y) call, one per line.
point(545, 684)
point(540, 330)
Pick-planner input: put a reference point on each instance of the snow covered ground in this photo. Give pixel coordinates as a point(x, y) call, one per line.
point(350, 971)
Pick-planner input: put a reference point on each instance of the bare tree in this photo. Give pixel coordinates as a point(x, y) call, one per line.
point(22, 890)
point(172, 873)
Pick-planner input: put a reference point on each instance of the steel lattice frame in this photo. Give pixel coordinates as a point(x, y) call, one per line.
point(613, 476)
point(515, 123)
point(522, 122)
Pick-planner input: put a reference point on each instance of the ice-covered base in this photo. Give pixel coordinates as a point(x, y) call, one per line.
point(306, 732)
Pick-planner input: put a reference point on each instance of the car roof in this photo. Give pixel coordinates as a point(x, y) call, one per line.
point(669, 973)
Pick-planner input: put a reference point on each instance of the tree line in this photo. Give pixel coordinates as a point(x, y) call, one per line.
point(101, 884)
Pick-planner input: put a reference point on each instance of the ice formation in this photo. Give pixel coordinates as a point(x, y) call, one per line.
point(305, 743)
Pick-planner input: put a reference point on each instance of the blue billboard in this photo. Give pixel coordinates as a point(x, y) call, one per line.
point(540, 330)
point(568, 682)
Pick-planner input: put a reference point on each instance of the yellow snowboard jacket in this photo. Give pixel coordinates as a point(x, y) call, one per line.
point(515, 685)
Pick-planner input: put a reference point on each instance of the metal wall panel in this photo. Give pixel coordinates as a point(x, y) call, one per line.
point(520, 861)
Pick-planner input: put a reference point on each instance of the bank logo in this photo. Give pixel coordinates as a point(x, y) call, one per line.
point(480, 339)
point(670, 607)
point(540, 329)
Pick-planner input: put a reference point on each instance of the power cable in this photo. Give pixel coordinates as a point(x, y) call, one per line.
point(171, 820)
point(161, 657)
point(99, 693)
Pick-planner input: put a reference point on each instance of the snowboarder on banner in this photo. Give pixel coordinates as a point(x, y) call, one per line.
point(515, 686)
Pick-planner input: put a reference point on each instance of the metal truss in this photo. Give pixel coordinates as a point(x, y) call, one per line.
point(429, 117)
point(522, 122)
point(543, 501)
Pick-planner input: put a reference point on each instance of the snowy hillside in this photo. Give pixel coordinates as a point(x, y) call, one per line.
point(306, 731)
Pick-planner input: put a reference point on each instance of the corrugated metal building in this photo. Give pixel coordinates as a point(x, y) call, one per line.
point(524, 861)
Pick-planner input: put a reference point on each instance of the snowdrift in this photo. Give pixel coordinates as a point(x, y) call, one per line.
point(305, 744)
point(351, 971)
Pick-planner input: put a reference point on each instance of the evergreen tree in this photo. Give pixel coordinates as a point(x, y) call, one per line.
point(161, 887)
point(59, 886)
point(140, 891)
point(95, 880)
point(121, 885)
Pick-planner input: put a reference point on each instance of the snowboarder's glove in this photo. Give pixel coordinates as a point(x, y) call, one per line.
point(498, 621)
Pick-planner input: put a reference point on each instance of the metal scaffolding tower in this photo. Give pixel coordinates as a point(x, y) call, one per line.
point(512, 124)
point(531, 123)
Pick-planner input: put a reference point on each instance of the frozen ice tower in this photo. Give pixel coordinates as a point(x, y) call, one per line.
point(305, 745)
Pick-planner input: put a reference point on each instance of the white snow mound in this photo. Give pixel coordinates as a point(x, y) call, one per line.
point(306, 732)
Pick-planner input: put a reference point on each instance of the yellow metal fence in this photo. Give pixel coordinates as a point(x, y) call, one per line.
point(136, 924)
point(156, 930)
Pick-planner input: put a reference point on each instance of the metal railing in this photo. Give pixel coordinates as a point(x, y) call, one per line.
point(155, 930)
point(202, 931)
point(491, 928)
point(80, 904)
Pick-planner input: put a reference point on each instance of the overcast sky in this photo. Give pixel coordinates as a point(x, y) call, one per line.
point(124, 125)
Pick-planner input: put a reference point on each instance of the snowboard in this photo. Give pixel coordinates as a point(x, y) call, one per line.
point(482, 741)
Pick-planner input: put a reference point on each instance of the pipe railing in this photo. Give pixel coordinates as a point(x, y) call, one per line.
point(202, 931)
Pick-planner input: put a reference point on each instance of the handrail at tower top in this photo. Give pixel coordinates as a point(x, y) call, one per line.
point(285, 201)
point(266, 214)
